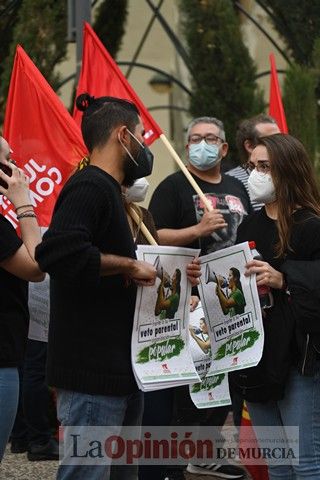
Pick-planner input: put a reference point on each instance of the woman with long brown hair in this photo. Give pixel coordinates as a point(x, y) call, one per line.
point(278, 391)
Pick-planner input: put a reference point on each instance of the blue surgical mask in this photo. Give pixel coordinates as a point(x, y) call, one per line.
point(203, 156)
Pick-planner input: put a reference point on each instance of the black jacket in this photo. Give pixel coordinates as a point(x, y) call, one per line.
point(303, 286)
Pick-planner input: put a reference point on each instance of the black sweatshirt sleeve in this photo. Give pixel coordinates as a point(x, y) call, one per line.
point(67, 251)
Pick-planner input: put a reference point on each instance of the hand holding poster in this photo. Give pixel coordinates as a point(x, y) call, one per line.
point(231, 304)
point(213, 390)
point(160, 340)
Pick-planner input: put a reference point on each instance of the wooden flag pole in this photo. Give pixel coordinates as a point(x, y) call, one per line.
point(186, 172)
point(135, 217)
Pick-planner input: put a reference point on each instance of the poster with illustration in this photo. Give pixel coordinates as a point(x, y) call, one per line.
point(213, 390)
point(160, 342)
point(231, 305)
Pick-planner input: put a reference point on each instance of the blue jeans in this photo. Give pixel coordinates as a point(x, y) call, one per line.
point(9, 395)
point(96, 410)
point(300, 407)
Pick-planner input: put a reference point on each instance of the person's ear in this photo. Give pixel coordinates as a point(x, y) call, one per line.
point(122, 134)
point(187, 150)
point(248, 146)
point(224, 149)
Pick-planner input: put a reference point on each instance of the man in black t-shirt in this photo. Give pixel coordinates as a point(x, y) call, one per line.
point(182, 220)
point(180, 216)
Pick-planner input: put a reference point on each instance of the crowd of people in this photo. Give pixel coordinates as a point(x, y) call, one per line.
point(88, 252)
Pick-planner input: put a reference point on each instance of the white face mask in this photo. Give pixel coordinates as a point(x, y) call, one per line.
point(261, 187)
point(138, 191)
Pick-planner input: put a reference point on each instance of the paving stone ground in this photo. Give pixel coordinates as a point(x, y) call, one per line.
point(18, 467)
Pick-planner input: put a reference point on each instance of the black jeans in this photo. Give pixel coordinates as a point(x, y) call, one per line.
point(185, 413)
point(174, 406)
point(158, 408)
point(32, 421)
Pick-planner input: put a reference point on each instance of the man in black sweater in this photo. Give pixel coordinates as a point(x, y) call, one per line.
point(90, 255)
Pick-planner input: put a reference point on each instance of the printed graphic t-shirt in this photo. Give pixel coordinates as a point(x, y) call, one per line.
point(175, 205)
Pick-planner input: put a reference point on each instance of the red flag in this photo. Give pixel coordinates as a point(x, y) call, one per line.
point(45, 140)
point(276, 109)
point(247, 439)
point(100, 76)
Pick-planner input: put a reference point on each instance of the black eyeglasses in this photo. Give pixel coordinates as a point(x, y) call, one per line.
point(263, 166)
point(210, 138)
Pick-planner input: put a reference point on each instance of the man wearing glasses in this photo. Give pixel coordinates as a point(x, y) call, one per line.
point(180, 216)
point(182, 220)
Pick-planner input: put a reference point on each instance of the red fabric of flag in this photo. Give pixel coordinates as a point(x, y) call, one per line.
point(247, 439)
point(276, 109)
point(45, 140)
point(100, 76)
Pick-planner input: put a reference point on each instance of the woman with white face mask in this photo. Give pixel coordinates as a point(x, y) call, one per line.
point(131, 196)
point(284, 388)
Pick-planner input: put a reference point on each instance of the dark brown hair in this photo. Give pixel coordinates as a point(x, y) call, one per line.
point(103, 114)
point(247, 131)
point(294, 180)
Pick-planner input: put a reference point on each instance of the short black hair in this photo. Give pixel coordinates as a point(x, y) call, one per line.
point(103, 114)
point(247, 131)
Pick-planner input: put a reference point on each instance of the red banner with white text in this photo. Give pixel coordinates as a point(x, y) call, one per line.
point(45, 140)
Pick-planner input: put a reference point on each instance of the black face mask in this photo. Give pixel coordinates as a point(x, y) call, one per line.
point(141, 166)
point(129, 172)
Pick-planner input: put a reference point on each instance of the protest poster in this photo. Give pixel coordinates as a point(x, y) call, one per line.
point(160, 341)
point(213, 390)
point(39, 309)
point(232, 308)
